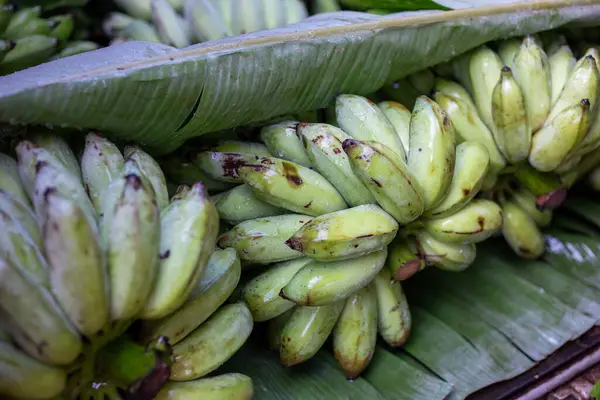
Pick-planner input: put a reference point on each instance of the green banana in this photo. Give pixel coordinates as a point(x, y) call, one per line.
point(75, 47)
point(345, 234)
point(323, 144)
point(188, 235)
point(239, 205)
point(261, 293)
point(136, 8)
point(403, 259)
point(221, 387)
point(25, 378)
point(561, 63)
point(9, 178)
point(325, 6)
point(140, 30)
point(470, 171)
point(180, 171)
point(247, 17)
point(526, 200)
point(263, 240)
point(169, 24)
point(213, 343)
point(151, 170)
point(235, 146)
point(33, 26)
point(319, 283)
point(27, 52)
point(447, 256)
point(6, 46)
point(355, 334)
point(521, 232)
point(224, 166)
point(508, 49)
point(6, 13)
point(282, 141)
point(423, 81)
point(218, 282)
point(59, 148)
point(295, 12)
point(388, 180)
point(275, 327)
point(432, 151)
point(363, 120)
point(484, 70)
point(22, 16)
point(114, 24)
point(399, 116)
point(206, 21)
point(394, 320)
point(511, 130)
point(402, 92)
point(305, 332)
point(62, 26)
point(22, 215)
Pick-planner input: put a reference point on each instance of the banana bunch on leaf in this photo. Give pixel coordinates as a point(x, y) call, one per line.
point(90, 245)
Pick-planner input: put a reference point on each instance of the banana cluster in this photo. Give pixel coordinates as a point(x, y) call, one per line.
point(27, 39)
point(91, 244)
point(180, 23)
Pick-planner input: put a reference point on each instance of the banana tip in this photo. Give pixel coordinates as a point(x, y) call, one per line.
point(349, 143)
point(294, 243)
point(551, 200)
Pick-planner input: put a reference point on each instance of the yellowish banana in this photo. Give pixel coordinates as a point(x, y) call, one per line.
point(394, 320)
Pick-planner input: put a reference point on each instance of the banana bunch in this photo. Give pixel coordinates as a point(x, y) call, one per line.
point(91, 244)
point(27, 39)
point(180, 23)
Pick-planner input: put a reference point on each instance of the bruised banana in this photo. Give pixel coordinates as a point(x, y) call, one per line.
point(283, 142)
point(345, 234)
point(521, 232)
point(526, 200)
point(263, 240)
point(224, 166)
point(399, 116)
point(188, 234)
point(403, 260)
point(10, 182)
point(484, 68)
point(447, 256)
point(151, 170)
point(59, 148)
point(318, 283)
point(394, 320)
point(239, 205)
point(355, 334)
point(221, 387)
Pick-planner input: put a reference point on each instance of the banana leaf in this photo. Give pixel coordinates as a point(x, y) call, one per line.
point(160, 96)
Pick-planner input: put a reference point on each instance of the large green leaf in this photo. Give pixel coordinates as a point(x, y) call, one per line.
point(160, 96)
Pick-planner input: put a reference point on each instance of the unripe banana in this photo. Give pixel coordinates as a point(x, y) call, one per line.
point(136, 8)
point(470, 171)
point(10, 182)
point(213, 343)
point(323, 144)
point(25, 378)
point(403, 260)
point(33, 26)
point(295, 11)
point(188, 234)
point(511, 130)
point(224, 166)
point(62, 26)
point(399, 116)
point(355, 334)
point(275, 327)
point(140, 30)
point(319, 283)
point(28, 51)
point(75, 47)
point(484, 70)
point(402, 92)
point(423, 81)
point(291, 186)
point(218, 282)
point(455, 90)
point(283, 142)
point(508, 49)
point(5, 45)
point(305, 332)
point(239, 205)
point(116, 22)
point(586, 165)
point(59, 148)
point(236, 146)
point(221, 387)
point(389, 180)
point(526, 200)
point(22, 215)
point(206, 21)
point(23, 15)
point(394, 320)
point(552, 143)
point(262, 240)
point(447, 256)
point(36, 322)
point(561, 62)
point(462, 70)
point(169, 24)
point(180, 171)
point(261, 294)
point(345, 234)
point(521, 232)
point(360, 118)
point(6, 12)
point(432, 151)
point(325, 6)
point(151, 170)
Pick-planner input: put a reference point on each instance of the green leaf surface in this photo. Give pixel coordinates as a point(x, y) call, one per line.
point(160, 96)
point(586, 208)
point(574, 255)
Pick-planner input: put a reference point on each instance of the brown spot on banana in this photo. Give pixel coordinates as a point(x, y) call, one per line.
point(291, 173)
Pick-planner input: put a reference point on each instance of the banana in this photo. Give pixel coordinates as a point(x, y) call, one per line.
point(586, 165)
point(222, 387)
point(283, 142)
point(462, 69)
point(508, 49)
point(75, 47)
point(33, 26)
point(24, 377)
point(363, 120)
point(235, 146)
point(188, 235)
point(532, 72)
point(151, 170)
point(325, 6)
point(561, 63)
point(403, 260)
point(23, 16)
point(218, 282)
point(521, 232)
point(432, 151)
point(389, 180)
point(247, 17)
point(399, 116)
point(552, 143)
point(511, 130)
point(6, 12)
point(180, 171)
point(261, 293)
point(28, 51)
point(474, 223)
point(484, 70)
point(239, 204)
point(59, 148)
point(206, 21)
point(526, 200)
point(34, 320)
point(394, 320)
point(447, 256)
point(305, 332)
point(62, 26)
point(262, 240)
point(21, 214)
point(136, 8)
point(319, 283)
point(470, 171)
point(345, 234)
point(295, 12)
point(9, 179)
point(224, 166)
point(101, 163)
point(275, 327)
point(402, 92)
point(355, 334)
point(5, 45)
point(140, 30)
point(323, 144)
point(423, 81)
point(169, 24)
point(114, 24)
point(291, 186)
point(213, 343)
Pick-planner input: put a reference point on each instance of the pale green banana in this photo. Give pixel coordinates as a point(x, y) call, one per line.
point(399, 116)
point(22, 215)
point(470, 171)
point(461, 69)
point(319, 283)
point(447, 256)
point(275, 327)
point(394, 320)
point(521, 232)
point(239, 205)
point(247, 17)
point(274, 14)
point(75, 47)
point(403, 260)
point(305, 332)
point(224, 166)
point(484, 70)
point(325, 6)
point(508, 49)
point(291, 186)
point(59, 148)
point(169, 24)
point(432, 151)
point(235, 146)
point(561, 63)
point(526, 200)
point(423, 81)
point(136, 8)
point(10, 182)
point(283, 142)
point(231, 386)
point(261, 293)
point(389, 180)
point(455, 90)
point(180, 171)
point(263, 240)
point(345, 234)
point(116, 22)
point(206, 20)
point(140, 30)
point(28, 51)
point(213, 343)
point(188, 235)
point(355, 334)
point(323, 144)
point(151, 171)
point(363, 120)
